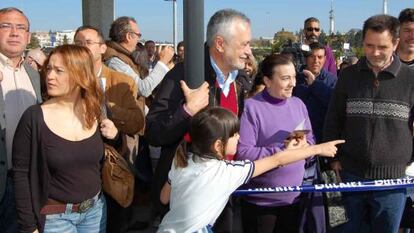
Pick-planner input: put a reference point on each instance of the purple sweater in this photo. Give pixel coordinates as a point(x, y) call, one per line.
point(265, 124)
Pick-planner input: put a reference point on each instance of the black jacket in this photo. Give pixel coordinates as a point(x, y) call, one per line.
point(373, 115)
point(167, 122)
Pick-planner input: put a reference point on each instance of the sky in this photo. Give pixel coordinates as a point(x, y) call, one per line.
point(155, 17)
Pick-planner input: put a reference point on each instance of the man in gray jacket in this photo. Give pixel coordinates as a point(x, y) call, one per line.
point(19, 89)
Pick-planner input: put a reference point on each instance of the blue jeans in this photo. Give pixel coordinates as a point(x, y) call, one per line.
point(8, 213)
point(376, 211)
point(92, 221)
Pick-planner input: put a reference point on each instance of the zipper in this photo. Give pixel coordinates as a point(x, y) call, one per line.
point(374, 93)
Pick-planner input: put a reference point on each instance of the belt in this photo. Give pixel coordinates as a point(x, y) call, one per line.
point(57, 207)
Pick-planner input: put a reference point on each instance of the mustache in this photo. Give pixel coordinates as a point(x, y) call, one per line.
point(312, 37)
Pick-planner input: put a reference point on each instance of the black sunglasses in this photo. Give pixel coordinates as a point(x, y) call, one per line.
point(309, 29)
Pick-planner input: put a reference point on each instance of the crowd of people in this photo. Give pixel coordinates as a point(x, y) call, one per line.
point(250, 124)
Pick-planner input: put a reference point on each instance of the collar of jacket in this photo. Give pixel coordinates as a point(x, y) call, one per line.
point(210, 78)
point(118, 48)
point(392, 69)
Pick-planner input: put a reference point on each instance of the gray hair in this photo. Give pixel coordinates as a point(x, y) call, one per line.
point(11, 9)
point(120, 27)
point(221, 24)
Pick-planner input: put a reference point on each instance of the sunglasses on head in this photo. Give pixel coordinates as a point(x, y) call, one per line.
point(309, 29)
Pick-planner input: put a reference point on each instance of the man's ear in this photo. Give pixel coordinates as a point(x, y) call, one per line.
point(395, 45)
point(103, 48)
point(128, 37)
point(219, 43)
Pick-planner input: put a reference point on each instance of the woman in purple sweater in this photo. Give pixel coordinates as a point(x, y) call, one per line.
point(268, 119)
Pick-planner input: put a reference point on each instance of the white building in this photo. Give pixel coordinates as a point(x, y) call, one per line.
point(60, 35)
point(43, 37)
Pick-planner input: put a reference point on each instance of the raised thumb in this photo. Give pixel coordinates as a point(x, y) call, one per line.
point(184, 87)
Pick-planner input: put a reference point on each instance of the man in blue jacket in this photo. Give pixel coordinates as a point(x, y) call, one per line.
point(314, 86)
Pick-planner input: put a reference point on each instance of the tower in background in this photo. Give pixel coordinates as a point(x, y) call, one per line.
point(331, 20)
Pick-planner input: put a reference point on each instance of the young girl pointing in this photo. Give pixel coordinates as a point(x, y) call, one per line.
point(201, 181)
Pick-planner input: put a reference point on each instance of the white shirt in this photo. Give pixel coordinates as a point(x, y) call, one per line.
point(223, 81)
point(18, 95)
point(200, 191)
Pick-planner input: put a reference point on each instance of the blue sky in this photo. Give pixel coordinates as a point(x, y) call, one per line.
point(155, 16)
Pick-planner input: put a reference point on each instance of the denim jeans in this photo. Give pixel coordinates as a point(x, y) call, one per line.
point(8, 213)
point(92, 221)
point(376, 211)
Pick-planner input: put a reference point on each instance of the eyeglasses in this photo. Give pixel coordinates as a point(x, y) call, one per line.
point(17, 27)
point(86, 43)
point(139, 35)
point(310, 29)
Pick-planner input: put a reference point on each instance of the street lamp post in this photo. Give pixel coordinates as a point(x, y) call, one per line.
point(174, 23)
point(194, 42)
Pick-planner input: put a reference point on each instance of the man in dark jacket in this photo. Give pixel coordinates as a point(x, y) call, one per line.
point(228, 47)
point(370, 108)
point(314, 86)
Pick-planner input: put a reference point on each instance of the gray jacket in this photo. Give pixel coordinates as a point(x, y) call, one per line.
point(35, 79)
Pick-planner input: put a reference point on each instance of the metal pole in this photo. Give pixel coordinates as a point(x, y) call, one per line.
point(175, 25)
point(385, 7)
point(99, 13)
point(194, 42)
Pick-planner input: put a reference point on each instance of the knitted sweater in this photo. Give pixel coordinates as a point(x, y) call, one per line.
point(373, 119)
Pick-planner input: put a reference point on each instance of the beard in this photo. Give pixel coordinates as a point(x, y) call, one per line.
point(312, 38)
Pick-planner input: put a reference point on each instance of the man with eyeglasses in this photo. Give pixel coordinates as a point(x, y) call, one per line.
point(125, 35)
point(312, 31)
point(121, 99)
point(19, 89)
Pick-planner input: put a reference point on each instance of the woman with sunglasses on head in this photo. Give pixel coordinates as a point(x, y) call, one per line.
point(58, 150)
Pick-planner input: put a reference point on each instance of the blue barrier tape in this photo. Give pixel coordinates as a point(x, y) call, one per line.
point(357, 186)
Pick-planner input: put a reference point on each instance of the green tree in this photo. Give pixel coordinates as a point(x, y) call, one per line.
point(358, 51)
point(323, 38)
point(34, 42)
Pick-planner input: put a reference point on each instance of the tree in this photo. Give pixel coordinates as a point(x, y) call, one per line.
point(323, 38)
point(281, 38)
point(65, 39)
point(34, 42)
point(358, 51)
